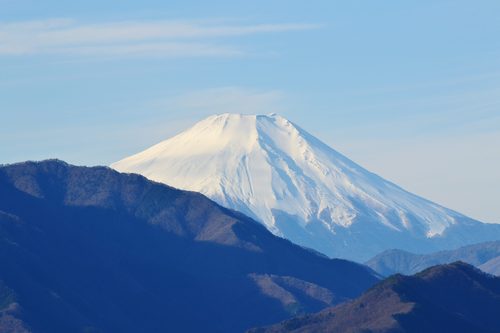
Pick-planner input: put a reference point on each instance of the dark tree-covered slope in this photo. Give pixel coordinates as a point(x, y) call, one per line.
point(92, 250)
point(455, 298)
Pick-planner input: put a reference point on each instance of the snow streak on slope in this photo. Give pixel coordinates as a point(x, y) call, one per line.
point(271, 169)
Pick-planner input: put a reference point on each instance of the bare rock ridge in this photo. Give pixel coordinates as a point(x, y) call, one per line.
point(297, 186)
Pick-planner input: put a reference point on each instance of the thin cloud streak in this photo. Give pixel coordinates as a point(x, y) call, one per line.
point(175, 38)
point(154, 49)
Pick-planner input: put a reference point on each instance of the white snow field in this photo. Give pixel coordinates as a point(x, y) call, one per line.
point(301, 189)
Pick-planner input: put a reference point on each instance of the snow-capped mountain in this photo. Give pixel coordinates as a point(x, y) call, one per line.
point(272, 170)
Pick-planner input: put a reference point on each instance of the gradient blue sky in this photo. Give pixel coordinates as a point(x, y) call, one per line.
point(408, 89)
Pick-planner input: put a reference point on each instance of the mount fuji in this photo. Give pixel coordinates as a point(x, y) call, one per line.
point(301, 189)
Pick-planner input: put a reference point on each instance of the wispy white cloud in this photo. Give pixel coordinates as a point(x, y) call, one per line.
point(159, 49)
point(166, 38)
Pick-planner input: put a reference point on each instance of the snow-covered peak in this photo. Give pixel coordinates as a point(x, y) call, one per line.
point(300, 188)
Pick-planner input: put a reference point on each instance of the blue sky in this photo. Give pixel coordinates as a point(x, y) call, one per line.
point(408, 89)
